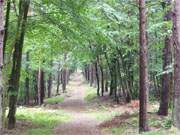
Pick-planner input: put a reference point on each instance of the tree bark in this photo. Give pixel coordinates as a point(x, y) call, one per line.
point(143, 125)
point(177, 64)
point(97, 79)
point(41, 87)
point(92, 75)
point(27, 80)
point(6, 25)
point(64, 80)
point(1, 62)
point(58, 81)
point(102, 80)
point(17, 58)
point(49, 85)
point(106, 82)
point(166, 78)
point(35, 86)
point(50, 81)
point(64, 75)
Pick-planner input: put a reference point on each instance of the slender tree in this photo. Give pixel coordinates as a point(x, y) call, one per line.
point(59, 76)
point(50, 82)
point(143, 126)
point(16, 65)
point(177, 64)
point(64, 79)
point(8, 8)
point(27, 80)
point(41, 87)
point(92, 74)
point(64, 74)
point(97, 78)
point(1, 60)
point(35, 86)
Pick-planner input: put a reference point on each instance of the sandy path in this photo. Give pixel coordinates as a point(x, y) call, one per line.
point(75, 105)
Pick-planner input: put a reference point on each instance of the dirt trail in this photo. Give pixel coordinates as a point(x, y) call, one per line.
point(75, 105)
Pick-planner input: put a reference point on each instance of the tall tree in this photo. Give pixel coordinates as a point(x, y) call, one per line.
point(1, 60)
point(177, 64)
point(17, 58)
point(143, 126)
point(8, 8)
point(166, 78)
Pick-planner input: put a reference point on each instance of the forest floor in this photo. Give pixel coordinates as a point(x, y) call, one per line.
point(81, 112)
point(75, 105)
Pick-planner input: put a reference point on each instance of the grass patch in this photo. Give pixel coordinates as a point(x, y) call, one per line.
point(54, 100)
point(119, 131)
point(103, 116)
point(43, 121)
point(158, 125)
point(90, 94)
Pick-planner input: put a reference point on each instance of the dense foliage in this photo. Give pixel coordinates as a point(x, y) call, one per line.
point(100, 37)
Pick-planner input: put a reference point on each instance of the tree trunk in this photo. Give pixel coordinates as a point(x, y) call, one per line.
point(102, 80)
point(166, 78)
point(41, 87)
point(177, 64)
point(115, 80)
point(64, 80)
point(91, 75)
point(6, 26)
point(35, 84)
point(88, 73)
point(97, 79)
point(27, 80)
point(125, 82)
point(143, 125)
point(58, 82)
point(1, 61)
point(111, 74)
point(64, 75)
point(50, 81)
point(49, 85)
point(106, 83)
point(16, 66)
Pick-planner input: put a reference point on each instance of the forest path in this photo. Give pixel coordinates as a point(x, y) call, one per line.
point(75, 105)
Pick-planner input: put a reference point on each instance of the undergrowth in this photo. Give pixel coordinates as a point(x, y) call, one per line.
point(158, 126)
point(43, 120)
point(54, 100)
point(90, 94)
